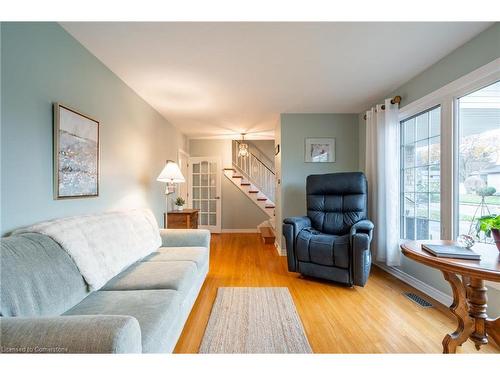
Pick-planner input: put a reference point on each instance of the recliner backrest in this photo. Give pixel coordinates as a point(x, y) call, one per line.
point(336, 201)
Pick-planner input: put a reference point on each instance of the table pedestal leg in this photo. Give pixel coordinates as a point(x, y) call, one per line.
point(477, 310)
point(493, 329)
point(459, 308)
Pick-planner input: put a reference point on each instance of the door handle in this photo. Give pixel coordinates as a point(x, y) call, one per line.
point(217, 197)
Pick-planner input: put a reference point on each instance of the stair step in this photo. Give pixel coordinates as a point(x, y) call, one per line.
point(229, 169)
point(267, 235)
point(253, 191)
point(237, 176)
point(245, 184)
point(270, 206)
point(262, 199)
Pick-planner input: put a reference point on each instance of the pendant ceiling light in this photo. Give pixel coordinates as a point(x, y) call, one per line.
point(243, 147)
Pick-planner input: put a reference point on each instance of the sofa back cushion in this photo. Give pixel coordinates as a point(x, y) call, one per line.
point(37, 277)
point(102, 245)
point(336, 201)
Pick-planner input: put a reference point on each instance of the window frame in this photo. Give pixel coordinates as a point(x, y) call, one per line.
point(402, 169)
point(447, 98)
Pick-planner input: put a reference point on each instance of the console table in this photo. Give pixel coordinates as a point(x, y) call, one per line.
point(185, 219)
point(469, 291)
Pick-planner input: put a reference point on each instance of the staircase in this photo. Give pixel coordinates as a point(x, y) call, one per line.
point(254, 176)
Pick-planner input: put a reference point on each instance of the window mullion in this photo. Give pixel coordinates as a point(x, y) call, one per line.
point(447, 168)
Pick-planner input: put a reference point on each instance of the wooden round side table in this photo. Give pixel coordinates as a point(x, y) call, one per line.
point(469, 293)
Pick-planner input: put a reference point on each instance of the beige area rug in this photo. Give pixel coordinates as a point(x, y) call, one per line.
point(254, 320)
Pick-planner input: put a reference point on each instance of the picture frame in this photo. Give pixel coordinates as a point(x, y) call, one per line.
point(76, 154)
point(319, 150)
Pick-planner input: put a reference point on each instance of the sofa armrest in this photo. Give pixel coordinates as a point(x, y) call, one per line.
point(71, 334)
point(363, 226)
point(291, 228)
point(185, 237)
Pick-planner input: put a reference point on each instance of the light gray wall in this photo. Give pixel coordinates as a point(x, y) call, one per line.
point(41, 64)
point(479, 51)
point(238, 211)
point(295, 127)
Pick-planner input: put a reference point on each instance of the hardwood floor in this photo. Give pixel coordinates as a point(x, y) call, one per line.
point(337, 319)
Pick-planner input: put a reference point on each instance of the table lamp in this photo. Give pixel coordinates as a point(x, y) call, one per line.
point(171, 174)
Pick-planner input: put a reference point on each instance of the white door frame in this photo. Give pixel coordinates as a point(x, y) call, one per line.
point(183, 189)
point(218, 180)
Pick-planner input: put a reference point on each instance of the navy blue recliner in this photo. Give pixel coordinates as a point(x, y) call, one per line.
point(333, 241)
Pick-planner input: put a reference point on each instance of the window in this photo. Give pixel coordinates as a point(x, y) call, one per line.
point(420, 161)
point(478, 175)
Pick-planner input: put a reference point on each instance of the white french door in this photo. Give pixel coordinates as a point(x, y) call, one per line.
point(205, 191)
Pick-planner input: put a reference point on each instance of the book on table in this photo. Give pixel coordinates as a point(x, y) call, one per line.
point(451, 251)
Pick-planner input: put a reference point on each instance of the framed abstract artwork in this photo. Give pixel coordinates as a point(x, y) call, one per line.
point(319, 150)
point(76, 154)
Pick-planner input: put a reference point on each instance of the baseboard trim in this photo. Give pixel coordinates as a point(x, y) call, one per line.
point(251, 230)
point(432, 292)
point(281, 252)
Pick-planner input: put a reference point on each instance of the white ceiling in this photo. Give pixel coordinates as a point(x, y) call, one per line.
point(221, 79)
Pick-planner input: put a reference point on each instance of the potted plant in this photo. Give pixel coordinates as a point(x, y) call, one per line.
point(179, 203)
point(490, 225)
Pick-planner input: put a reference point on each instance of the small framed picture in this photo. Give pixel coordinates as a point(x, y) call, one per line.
point(76, 154)
point(320, 150)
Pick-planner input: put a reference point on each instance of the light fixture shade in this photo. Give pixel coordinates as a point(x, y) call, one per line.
point(243, 150)
point(171, 173)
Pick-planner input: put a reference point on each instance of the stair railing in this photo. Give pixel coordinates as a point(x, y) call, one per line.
point(255, 170)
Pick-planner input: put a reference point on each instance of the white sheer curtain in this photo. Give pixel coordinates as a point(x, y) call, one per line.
point(382, 172)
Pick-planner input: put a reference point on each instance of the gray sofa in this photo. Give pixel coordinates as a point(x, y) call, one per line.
point(46, 305)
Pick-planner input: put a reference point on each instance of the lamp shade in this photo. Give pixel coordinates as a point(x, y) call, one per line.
point(171, 173)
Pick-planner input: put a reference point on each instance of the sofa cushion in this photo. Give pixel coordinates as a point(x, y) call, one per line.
point(324, 249)
point(198, 255)
point(176, 275)
point(38, 278)
point(155, 310)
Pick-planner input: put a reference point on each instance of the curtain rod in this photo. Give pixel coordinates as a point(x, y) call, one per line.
point(396, 99)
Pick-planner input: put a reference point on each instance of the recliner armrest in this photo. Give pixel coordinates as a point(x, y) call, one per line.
point(298, 222)
point(362, 226)
point(291, 228)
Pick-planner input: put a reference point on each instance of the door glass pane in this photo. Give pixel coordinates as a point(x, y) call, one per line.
point(204, 167)
point(420, 178)
point(196, 168)
point(196, 204)
point(213, 219)
point(196, 180)
point(204, 206)
point(204, 193)
point(204, 219)
point(204, 180)
point(213, 193)
point(213, 205)
point(196, 193)
point(479, 158)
